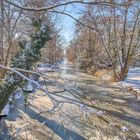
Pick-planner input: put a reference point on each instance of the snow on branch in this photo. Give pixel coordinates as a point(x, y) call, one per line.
point(85, 108)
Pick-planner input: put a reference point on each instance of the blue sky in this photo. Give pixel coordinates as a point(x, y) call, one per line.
point(67, 23)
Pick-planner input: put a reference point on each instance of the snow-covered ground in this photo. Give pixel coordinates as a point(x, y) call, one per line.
point(132, 80)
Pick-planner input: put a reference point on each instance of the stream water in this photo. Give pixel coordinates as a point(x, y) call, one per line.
point(122, 113)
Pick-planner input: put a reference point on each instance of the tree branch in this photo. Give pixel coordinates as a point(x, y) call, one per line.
point(78, 21)
point(58, 5)
point(84, 107)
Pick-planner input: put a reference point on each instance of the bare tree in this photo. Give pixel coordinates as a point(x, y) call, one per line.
point(1, 34)
point(12, 17)
point(117, 30)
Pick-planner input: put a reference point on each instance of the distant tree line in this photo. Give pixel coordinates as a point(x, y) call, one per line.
point(113, 39)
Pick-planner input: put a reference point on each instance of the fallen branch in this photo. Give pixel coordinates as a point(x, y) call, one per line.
point(86, 109)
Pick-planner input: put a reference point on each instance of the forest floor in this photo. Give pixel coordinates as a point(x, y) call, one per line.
point(121, 120)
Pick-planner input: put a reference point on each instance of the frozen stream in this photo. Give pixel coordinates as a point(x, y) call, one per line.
point(122, 113)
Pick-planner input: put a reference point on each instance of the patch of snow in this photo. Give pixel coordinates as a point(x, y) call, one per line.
point(6, 109)
point(129, 96)
point(18, 94)
point(119, 100)
point(132, 80)
point(28, 88)
point(10, 98)
point(138, 135)
point(124, 129)
point(104, 93)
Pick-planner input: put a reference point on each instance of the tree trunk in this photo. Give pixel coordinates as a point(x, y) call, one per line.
point(1, 36)
point(6, 60)
point(124, 70)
